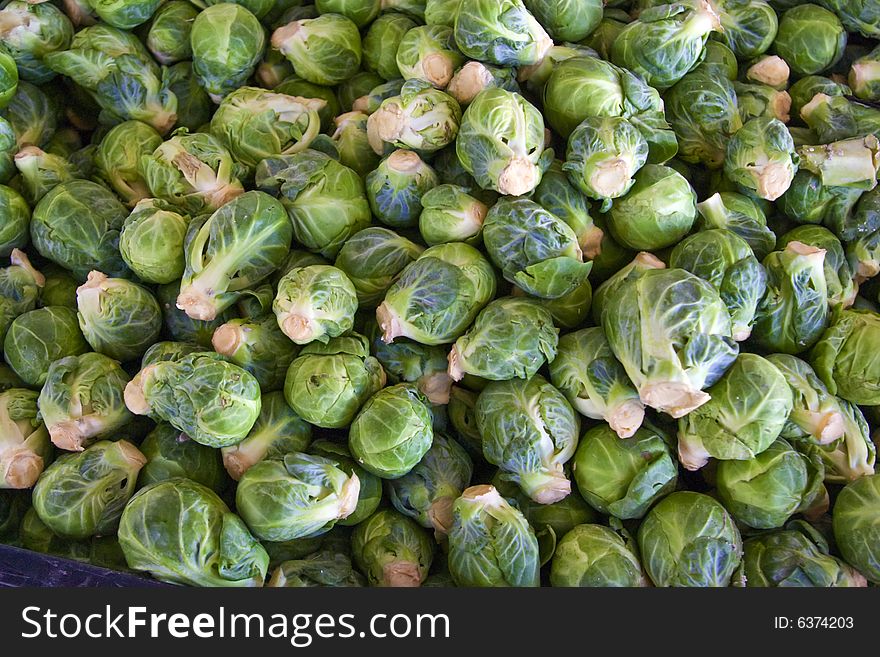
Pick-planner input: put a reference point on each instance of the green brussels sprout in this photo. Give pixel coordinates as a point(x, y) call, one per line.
point(420, 118)
point(30, 31)
point(392, 550)
point(864, 76)
point(25, 448)
point(32, 117)
point(126, 84)
point(834, 117)
point(258, 346)
point(852, 456)
point(152, 239)
point(852, 162)
point(168, 38)
point(437, 297)
point(665, 42)
point(322, 568)
point(20, 287)
point(355, 87)
point(441, 12)
point(510, 338)
point(838, 275)
point(747, 28)
point(811, 39)
point(623, 477)
point(294, 496)
point(325, 200)
point(40, 172)
point(427, 492)
point(297, 87)
point(15, 227)
point(181, 532)
point(168, 350)
point(594, 555)
point(450, 214)
point(59, 288)
point(491, 543)
point(317, 302)
point(702, 110)
point(429, 53)
point(688, 347)
point(395, 188)
point(82, 400)
point(180, 326)
point(370, 493)
point(371, 102)
point(566, 20)
point(559, 196)
point(353, 144)
point(37, 338)
point(392, 431)
point(844, 360)
point(76, 225)
point(360, 12)
point(726, 261)
point(82, 495)
point(808, 201)
point(771, 71)
point(794, 312)
point(658, 211)
point(273, 70)
point(688, 539)
point(118, 156)
point(328, 383)
point(755, 101)
point(227, 42)
point(278, 431)
point(381, 42)
point(231, 250)
point(761, 158)
point(595, 383)
point(500, 32)
point(534, 249)
point(795, 556)
point(855, 525)
point(194, 172)
point(405, 361)
point(634, 269)
point(603, 155)
point(475, 77)
point(171, 454)
point(118, 318)
point(255, 124)
point(212, 401)
point(530, 431)
point(746, 411)
point(324, 50)
point(125, 14)
point(765, 491)
point(194, 105)
point(805, 90)
point(501, 142)
point(863, 256)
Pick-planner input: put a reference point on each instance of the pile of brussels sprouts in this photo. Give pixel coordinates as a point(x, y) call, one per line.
point(442, 292)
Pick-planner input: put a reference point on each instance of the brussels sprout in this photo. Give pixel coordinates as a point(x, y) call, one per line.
point(450, 214)
point(38, 338)
point(182, 532)
point(323, 568)
point(501, 142)
point(838, 275)
point(410, 362)
point(863, 256)
point(353, 144)
point(392, 431)
point(371, 102)
point(258, 346)
point(852, 456)
point(30, 31)
point(25, 448)
point(194, 105)
point(16, 221)
point(382, 41)
point(727, 262)
point(511, 338)
point(756, 101)
point(168, 350)
point(124, 14)
point(392, 550)
point(427, 492)
point(20, 287)
point(118, 158)
point(127, 84)
point(355, 87)
point(325, 200)
point(688, 539)
point(805, 90)
point(594, 555)
point(718, 60)
point(565, 20)
point(324, 50)
point(761, 157)
point(32, 117)
point(855, 525)
point(171, 454)
point(534, 249)
point(658, 211)
point(317, 302)
point(76, 225)
point(810, 38)
point(212, 401)
point(395, 188)
point(794, 312)
point(227, 42)
point(82, 495)
point(360, 12)
point(420, 118)
point(634, 269)
point(151, 241)
point(556, 194)
point(475, 77)
point(295, 495)
point(747, 28)
point(438, 296)
point(795, 556)
point(370, 493)
point(429, 53)
point(297, 87)
point(834, 117)
point(603, 154)
point(168, 38)
point(490, 543)
point(82, 400)
point(500, 32)
point(179, 326)
point(844, 360)
point(40, 172)
point(441, 12)
point(852, 162)
point(811, 202)
point(864, 76)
